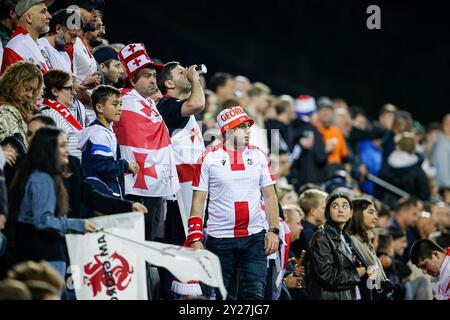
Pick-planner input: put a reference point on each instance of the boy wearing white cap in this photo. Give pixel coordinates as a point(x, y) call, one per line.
point(234, 174)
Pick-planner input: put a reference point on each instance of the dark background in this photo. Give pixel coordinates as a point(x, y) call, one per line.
point(317, 47)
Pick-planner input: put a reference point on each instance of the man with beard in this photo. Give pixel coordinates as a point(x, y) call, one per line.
point(143, 137)
point(34, 20)
point(183, 98)
point(84, 66)
point(62, 34)
point(235, 175)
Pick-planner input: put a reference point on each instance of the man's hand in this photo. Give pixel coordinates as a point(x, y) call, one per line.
point(361, 271)
point(10, 157)
point(139, 207)
point(293, 282)
point(2, 221)
point(133, 167)
point(192, 74)
point(197, 245)
point(271, 243)
point(307, 143)
point(92, 80)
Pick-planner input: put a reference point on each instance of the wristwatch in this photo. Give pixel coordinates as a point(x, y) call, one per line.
point(275, 230)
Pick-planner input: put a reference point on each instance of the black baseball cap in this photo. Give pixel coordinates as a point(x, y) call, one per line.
point(87, 4)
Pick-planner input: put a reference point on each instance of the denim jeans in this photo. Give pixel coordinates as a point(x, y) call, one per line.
point(247, 255)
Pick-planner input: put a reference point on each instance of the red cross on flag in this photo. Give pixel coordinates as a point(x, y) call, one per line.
point(143, 138)
point(134, 56)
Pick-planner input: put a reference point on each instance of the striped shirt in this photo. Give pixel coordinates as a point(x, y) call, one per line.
point(63, 124)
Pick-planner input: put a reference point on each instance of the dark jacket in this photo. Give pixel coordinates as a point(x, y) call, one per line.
point(310, 167)
point(101, 161)
point(405, 172)
point(82, 192)
point(330, 271)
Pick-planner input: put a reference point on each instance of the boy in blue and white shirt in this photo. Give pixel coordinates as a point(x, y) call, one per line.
point(100, 162)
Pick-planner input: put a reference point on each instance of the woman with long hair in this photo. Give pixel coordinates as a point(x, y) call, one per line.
point(58, 97)
point(373, 286)
point(39, 201)
point(20, 88)
point(333, 270)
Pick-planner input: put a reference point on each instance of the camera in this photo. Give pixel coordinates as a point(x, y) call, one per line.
point(201, 69)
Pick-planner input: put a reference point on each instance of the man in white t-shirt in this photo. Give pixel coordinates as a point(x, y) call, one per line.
point(235, 175)
point(62, 34)
point(34, 20)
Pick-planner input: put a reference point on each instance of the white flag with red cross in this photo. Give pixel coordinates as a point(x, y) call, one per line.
point(143, 138)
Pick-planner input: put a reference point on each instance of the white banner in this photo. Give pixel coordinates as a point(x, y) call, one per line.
point(108, 269)
point(111, 262)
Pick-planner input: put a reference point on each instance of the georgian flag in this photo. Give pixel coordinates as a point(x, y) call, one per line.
point(137, 62)
point(23, 47)
point(188, 146)
point(131, 49)
point(143, 138)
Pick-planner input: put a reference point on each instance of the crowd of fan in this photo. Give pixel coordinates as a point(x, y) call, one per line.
point(317, 147)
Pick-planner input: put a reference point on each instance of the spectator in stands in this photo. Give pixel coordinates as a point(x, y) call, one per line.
point(8, 22)
point(403, 169)
point(83, 61)
point(364, 219)
point(20, 87)
point(81, 193)
point(183, 98)
point(84, 66)
point(242, 87)
point(441, 214)
point(384, 216)
point(110, 66)
point(142, 126)
point(282, 168)
point(312, 203)
point(63, 33)
point(335, 145)
point(433, 260)
point(441, 154)
point(386, 116)
point(40, 203)
point(100, 162)
point(34, 20)
point(222, 84)
point(59, 95)
point(286, 195)
point(256, 108)
point(402, 123)
point(333, 270)
point(210, 111)
point(310, 167)
point(283, 140)
point(234, 186)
